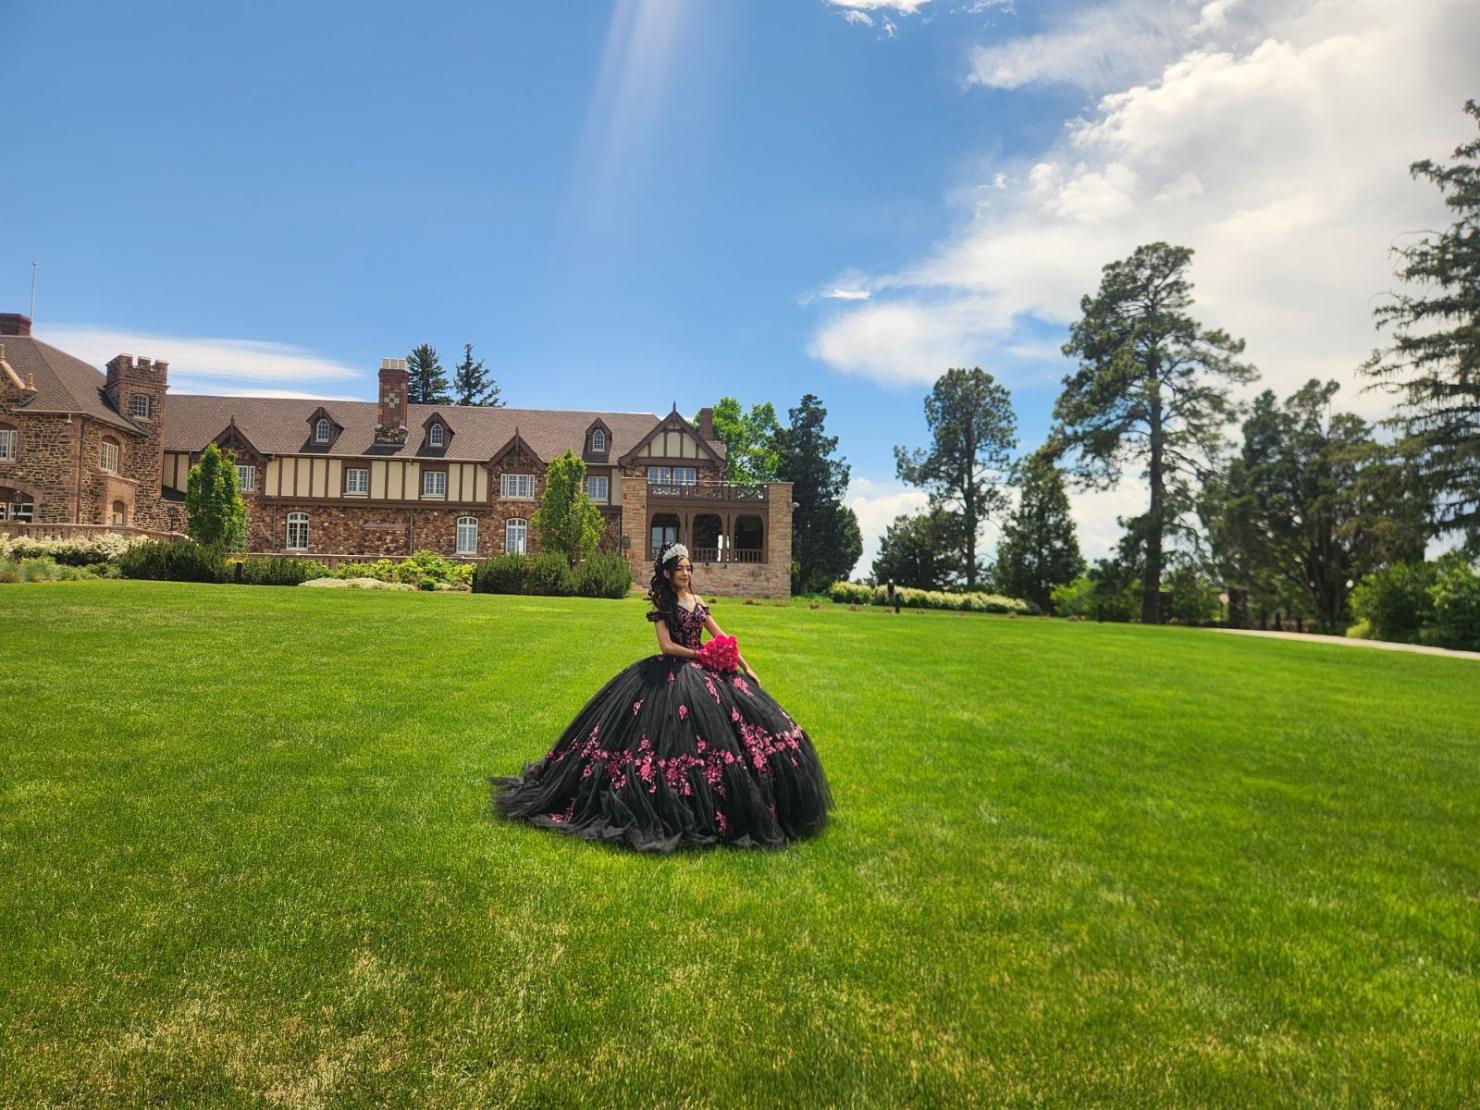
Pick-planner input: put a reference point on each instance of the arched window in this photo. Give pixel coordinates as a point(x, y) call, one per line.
point(297, 532)
point(516, 535)
point(467, 535)
point(120, 513)
point(321, 431)
point(108, 455)
point(434, 436)
point(598, 441)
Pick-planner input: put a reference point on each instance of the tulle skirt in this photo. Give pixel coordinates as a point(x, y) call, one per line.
point(669, 755)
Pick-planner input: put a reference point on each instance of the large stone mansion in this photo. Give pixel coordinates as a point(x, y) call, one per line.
point(82, 450)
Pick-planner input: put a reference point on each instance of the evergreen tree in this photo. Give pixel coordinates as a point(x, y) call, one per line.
point(1433, 364)
point(213, 502)
point(1152, 387)
point(1038, 549)
point(749, 439)
point(426, 384)
point(966, 470)
point(1310, 505)
point(825, 538)
point(474, 385)
point(568, 521)
point(920, 551)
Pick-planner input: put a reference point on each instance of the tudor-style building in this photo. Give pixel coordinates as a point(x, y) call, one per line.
point(82, 450)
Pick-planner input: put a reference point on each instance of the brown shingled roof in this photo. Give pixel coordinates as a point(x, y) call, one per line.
point(63, 383)
point(280, 426)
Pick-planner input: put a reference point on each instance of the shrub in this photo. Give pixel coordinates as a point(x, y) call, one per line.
point(1072, 598)
point(1455, 597)
point(412, 571)
point(604, 575)
point(1194, 598)
point(277, 570)
point(1362, 630)
point(77, 552)
point(501, 574)
point(549, 576)
point(10, 571)
point(857, 593)
point(1394, 602)
point(180, 561)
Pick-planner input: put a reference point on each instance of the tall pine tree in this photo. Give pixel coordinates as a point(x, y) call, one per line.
point(1152, 388)
point(1038, 549)
point(825, 538)
point(967, 467)
point(473, 384)
point(426, 384)
point(1433, 364)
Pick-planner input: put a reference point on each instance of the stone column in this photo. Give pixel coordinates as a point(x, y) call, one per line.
point(633, 540)
point(778, 539)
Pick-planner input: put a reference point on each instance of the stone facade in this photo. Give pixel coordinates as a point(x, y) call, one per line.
point(740, 540)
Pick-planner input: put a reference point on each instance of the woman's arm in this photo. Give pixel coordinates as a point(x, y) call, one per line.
point(668, 647)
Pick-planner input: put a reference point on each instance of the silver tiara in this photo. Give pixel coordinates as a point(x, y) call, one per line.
point(677, 551)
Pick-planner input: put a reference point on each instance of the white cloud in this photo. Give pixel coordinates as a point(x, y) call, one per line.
point(859, 17)
point(902, 7)
point(264, 393)
point(1091, 48)
point(1283, 163)
point(1096, 514)
point(220, 360)
point(847, 294)
point(876, 504)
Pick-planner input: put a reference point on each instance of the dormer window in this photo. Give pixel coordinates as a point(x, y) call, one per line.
point(321, 431)
point(598, 441)
point(435, 436)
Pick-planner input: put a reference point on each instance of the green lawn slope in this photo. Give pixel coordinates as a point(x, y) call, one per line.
point(246, 857)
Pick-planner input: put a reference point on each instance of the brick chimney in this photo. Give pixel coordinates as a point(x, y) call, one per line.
point(391, 425)
point(706, 423)
point(13, 323)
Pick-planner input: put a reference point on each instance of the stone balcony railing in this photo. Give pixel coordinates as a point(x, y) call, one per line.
point(42, 531)
point(707, 491)
point(718, 555)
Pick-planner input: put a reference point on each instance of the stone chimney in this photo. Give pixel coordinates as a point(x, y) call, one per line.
point(706, 423)
point(13, 323)
point(391, 425)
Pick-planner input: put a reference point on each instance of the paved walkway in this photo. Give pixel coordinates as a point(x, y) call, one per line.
point(1312, 637)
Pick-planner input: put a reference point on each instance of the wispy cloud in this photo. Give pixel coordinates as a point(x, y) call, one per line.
point(1282, 163)
point(224, 362)
point(900, 7)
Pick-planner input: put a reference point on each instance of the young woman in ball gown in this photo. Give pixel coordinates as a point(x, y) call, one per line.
point(673, 753)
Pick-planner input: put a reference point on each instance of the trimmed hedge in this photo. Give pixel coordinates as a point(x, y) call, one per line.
point(178, 561)
point(603, 575)
point(855, 593)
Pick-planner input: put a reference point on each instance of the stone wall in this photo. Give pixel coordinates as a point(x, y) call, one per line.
point(45, 462)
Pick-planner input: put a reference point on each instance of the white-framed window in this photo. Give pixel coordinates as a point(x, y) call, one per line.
point(434, 483)
point(467, 535)
point(19, 507)
point(357, 479)
point(321, 431)
point(246, 478)
point(596, 489)
point(108, 457)
point(518, 486)
point(598, 441)
point(10, 442)
point(138, 405)
point(434, 435)
point(516, 535)
point(297, 532)
point(672, 475)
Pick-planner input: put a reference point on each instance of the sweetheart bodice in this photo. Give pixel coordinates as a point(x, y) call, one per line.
point(691, 624)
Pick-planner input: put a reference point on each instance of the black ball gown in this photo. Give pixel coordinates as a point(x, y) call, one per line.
point(670, 754)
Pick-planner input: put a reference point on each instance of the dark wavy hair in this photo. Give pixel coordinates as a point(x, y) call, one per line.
point(663, 596)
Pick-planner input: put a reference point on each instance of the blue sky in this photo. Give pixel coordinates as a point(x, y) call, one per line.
point(628, 205)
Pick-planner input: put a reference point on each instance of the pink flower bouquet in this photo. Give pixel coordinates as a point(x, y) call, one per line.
point(721, 654)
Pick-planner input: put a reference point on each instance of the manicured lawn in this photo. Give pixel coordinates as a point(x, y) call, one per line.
point(246, 857)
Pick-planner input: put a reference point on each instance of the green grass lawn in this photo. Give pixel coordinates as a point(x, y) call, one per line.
point(246, 856)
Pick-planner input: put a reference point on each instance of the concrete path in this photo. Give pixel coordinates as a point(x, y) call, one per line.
point(1312, 637)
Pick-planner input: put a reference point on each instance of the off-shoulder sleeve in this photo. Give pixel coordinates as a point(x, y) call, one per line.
point(654, 615)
